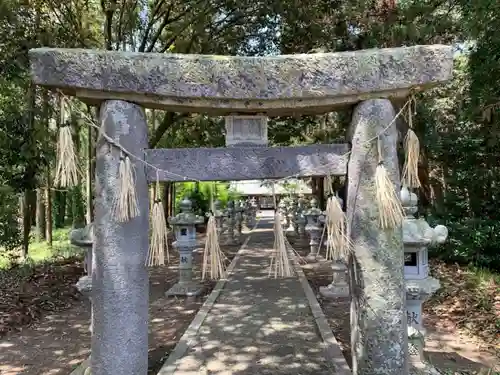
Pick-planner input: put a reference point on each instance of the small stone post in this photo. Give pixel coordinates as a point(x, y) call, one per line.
point(120, 285)
point(379, 338)
point(313, 229)
point(184, 225)
point(417, 237)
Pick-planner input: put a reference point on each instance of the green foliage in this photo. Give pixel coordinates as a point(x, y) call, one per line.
point(41, 252)
point(471, 242)
point(10, 228)
point(201, 194)
point(77, 208)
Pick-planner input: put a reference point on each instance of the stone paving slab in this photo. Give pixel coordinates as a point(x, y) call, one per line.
point(258, 325)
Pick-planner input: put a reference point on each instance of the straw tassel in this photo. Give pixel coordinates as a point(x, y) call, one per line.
point(125, 205)
point(213, 257)
point(389, 205)
point(412, 154)
point(280, 261)
point(158, 244)
point(67, 166)
point(337, 243)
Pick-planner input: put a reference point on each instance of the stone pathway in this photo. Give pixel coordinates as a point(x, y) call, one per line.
point(257, 325)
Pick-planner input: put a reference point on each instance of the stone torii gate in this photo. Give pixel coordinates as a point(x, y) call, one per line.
point(123, 82)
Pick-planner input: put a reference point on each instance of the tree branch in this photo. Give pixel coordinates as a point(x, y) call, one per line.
point(169, 119)
point(108, 25)
point(152, 20)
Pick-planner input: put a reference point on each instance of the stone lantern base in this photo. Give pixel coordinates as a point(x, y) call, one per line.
point(189, 289)
point(339, 287)
point(84, 286)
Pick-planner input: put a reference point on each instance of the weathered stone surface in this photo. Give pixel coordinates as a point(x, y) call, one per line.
point(120, 278)
point(378, 317)
point(246, 163)
point(224, 84)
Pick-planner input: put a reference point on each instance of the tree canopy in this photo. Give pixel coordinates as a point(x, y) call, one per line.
point(457, 123)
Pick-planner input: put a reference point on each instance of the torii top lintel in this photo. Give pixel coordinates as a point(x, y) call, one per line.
point(220, 85)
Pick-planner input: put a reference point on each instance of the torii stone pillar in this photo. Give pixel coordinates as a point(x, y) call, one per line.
point(378, 314)
point(120, 285)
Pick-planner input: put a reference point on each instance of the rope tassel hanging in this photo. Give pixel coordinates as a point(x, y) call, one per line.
point(280, 261)
point(389, 205)
point(213, 257)
point(67, 166)
point(125, 205)
point(158, 245)
point(337, 243)
point(412, 153)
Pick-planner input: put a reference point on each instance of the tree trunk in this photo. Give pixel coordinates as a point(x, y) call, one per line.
point(60, 209)
point(320, 181)
point(48, 210)
point(40, 215)
point(48, 179)
point(77, 209)
point(26, 212)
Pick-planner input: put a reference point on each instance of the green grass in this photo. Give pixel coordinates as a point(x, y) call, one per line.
point(40, 252)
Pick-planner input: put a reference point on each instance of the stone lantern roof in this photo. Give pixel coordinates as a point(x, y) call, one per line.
point(417, 232)
point(186, 216)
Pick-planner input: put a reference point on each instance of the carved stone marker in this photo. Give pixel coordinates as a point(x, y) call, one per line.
point(246, 131)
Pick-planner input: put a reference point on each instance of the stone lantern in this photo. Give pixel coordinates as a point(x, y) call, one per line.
point(301, 219)
point(313, 228)
point(184, 225)
point(291, 210)
point(84, 238)
point(282, 210)
point(417, 237)
point(231, 221)
point(251, 212)
point(239, 211)
point(219, 216)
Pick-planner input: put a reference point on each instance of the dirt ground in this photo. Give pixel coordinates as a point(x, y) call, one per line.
point(44, 321)
point(50, 336)
point(448, 347)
